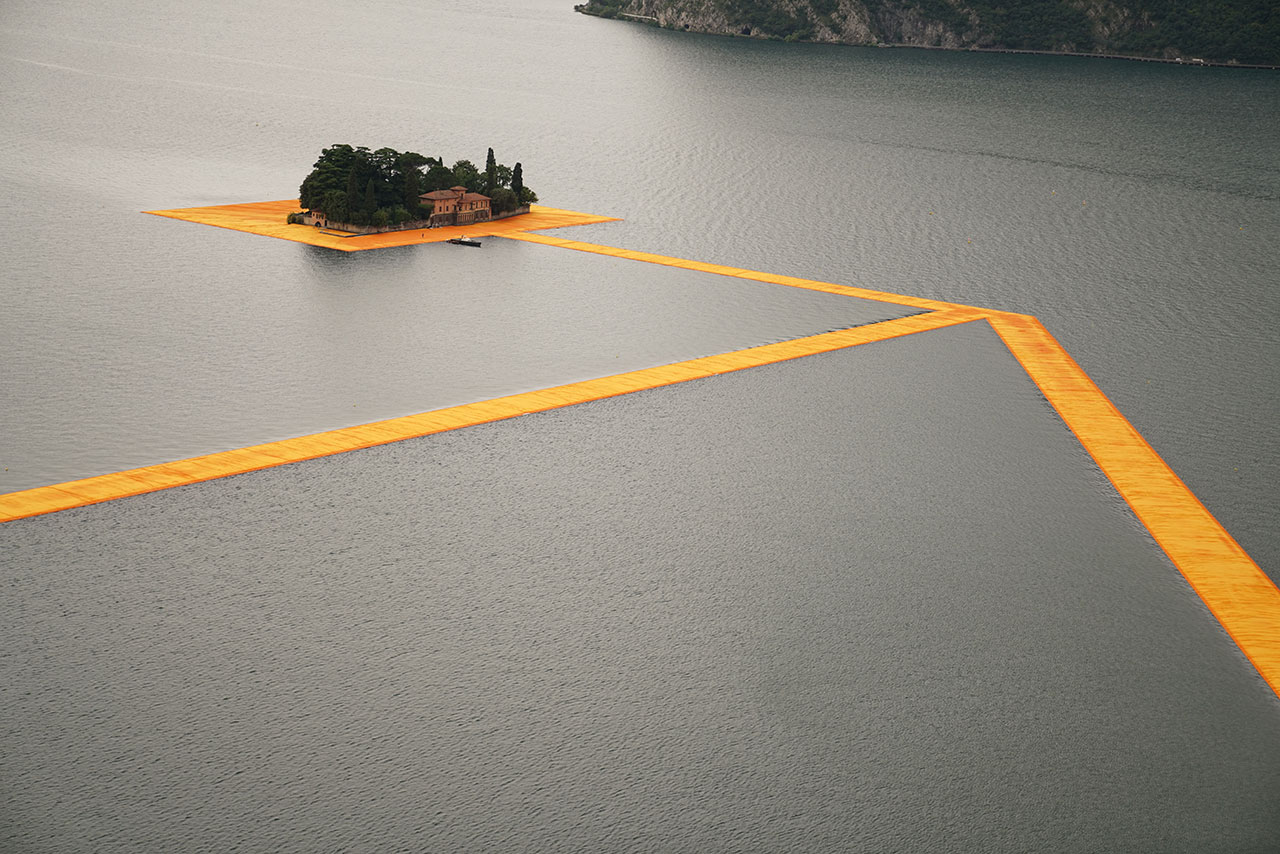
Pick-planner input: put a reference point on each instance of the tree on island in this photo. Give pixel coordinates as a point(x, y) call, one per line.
point(465, 174)
point(438, 177)
point(490, 173)
point(363, 187)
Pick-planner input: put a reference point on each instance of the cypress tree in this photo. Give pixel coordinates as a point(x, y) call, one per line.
point(517, 181)
point(490, 173)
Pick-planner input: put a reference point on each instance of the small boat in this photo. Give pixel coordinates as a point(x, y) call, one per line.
point(464, 241)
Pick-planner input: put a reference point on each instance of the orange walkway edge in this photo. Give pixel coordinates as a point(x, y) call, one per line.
point(1238, 593)
point(722, 270)
point(1235, 589)
point(92, 490)
point(269, 220)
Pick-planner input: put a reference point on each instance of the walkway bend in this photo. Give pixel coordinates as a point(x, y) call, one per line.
point(1236, 591)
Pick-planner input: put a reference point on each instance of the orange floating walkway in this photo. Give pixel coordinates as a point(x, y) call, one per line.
point(77, 493)
point(1235, 589)
point(269, 220)
point(1237, 592)
point(722, 270)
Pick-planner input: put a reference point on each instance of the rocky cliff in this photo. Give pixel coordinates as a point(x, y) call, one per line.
point(1224, 31)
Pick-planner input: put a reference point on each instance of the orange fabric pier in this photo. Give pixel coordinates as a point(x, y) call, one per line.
point(738, 272)
point(77, 493)
point(269, 220)
point(1236, 591)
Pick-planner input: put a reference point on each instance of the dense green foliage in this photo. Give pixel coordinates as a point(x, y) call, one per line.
point(1245, 31)
point(769, 18)
point(603, 8)
point(1019, 24)
point(1027, 24)
point(363, 187)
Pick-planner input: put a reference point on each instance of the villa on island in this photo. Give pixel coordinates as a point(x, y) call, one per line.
point(456, 206)
point(358, 191)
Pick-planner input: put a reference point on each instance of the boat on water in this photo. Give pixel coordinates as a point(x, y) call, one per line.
point(464, 241)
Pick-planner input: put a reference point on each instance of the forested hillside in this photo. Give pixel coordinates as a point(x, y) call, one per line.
point(1227, 31)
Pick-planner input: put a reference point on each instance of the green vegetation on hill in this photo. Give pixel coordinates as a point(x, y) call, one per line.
point(1247, 31)
point(772, 18)
point(1243, 31)
point(1019, 24)
point(603, 8)
point(363, 187)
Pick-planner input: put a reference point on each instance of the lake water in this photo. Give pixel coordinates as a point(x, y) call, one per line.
point(1134, 208)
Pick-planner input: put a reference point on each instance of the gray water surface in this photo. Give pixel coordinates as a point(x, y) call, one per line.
point(317, 339)
point(871, 600)
point(1132, 207)
point(739, 613)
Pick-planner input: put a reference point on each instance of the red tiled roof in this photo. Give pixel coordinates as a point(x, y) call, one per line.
point(459, 193)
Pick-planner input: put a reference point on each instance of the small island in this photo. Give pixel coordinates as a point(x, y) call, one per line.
point(363, 192)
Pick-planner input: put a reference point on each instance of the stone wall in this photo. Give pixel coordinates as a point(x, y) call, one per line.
point(410, 225)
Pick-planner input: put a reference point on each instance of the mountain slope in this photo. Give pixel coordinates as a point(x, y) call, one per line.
point(1226, 31)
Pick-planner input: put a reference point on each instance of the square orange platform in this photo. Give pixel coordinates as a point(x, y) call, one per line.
point(270, 220)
